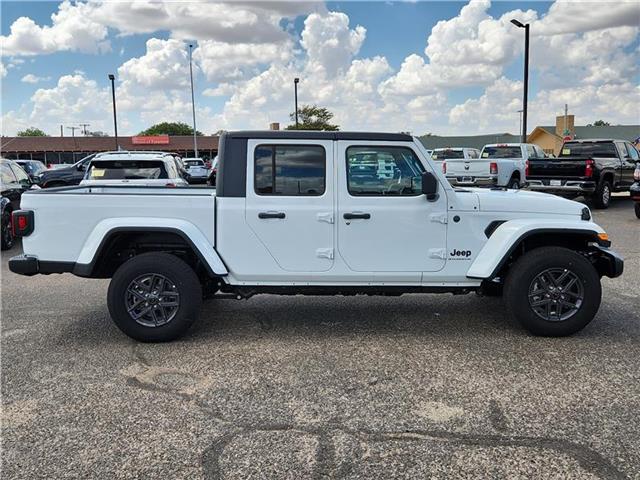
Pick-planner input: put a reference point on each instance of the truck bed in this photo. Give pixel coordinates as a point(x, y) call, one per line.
point(61, 237)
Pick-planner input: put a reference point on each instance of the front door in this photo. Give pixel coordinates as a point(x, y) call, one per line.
point(385, 223)
point(290, 201)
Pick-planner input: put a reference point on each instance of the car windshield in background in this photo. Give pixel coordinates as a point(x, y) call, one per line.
point(502, 152)
point(32, 168)
point(193, 163)
point(447, 154)
point(126, 170)
point(589, 149)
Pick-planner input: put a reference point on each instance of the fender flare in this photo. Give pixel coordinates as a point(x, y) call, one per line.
point(506, 238)
point(4, 203)
point(104, 230)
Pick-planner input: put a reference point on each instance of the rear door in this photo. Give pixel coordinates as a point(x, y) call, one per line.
point(290, 201)
point(386, 224)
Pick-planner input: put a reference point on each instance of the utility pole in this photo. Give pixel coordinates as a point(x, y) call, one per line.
point(115, 120)
point(61, 131)
point(526, 77)
point(520, 127)
point(84, 128)
point(193, 104)
point(295, 94)
point(73, 130)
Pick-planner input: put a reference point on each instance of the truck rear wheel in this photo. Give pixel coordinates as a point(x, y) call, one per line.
point(553, 291)
point(154, 297)
point(602, 196)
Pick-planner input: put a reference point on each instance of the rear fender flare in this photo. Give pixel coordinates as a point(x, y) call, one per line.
point(506, 238)
point(188, 231)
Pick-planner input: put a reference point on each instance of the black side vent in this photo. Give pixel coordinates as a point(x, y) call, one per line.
point(492, 227)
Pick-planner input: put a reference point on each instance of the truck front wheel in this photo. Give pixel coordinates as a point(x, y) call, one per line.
point(553, 291)
point(154, 297)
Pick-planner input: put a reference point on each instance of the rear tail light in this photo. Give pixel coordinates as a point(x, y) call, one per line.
point(526, 168)
point(493, 168)
point(588, 168)
point(444, 167)
point(22, 223)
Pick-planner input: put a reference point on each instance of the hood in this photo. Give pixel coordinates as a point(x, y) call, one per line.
point(524, 201)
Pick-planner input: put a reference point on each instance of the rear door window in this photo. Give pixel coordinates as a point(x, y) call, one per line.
point(290, 170)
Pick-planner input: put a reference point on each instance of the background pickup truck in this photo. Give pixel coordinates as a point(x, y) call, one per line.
point(318, 213)
point(501, 165)
point(593, 168)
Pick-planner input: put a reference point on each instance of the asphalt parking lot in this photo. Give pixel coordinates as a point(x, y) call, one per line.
point(419, 386)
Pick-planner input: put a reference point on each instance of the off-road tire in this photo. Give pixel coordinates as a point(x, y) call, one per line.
point(527, 268)
point(7, 233)
point(602, 196)
point(185, 282)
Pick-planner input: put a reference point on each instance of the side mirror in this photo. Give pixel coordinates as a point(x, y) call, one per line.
point(430, 186)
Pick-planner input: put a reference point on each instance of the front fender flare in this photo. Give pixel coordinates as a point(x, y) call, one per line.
point(188, 231)
point(506, 238)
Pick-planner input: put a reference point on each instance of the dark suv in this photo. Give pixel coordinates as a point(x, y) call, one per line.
point(64, 176)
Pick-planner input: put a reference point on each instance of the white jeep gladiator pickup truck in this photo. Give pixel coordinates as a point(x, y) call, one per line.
point(312, 213)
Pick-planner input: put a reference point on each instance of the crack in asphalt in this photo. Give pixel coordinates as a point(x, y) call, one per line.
point(326, 456)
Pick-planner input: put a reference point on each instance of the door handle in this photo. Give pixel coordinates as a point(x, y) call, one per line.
point(351, 216)
point(264, 215)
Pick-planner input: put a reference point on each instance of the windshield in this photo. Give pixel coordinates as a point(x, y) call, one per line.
point(126, 170)
point(447, 154)
point(589, 149)
point(194, 163)
point(502, 152)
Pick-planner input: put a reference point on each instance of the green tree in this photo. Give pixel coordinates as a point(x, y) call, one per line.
point(169, 128)
point(599, 123)
point(312, 117)
point(32, 132)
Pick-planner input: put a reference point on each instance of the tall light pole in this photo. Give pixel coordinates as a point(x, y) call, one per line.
point(295, 93)
point(526, 77)
point(115, 118)
point(193, 104)
point(520, 114)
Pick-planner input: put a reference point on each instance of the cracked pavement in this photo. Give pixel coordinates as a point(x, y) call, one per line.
point(418, 386)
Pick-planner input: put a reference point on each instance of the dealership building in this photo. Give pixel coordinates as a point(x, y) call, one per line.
point(53, 150)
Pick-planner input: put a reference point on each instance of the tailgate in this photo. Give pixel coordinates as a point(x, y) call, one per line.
point(467, 168)
point(567, 167)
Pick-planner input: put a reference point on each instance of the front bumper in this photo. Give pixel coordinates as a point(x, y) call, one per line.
point(570, 186)
point(29, 265)
point(470, 181)
point(608, 262)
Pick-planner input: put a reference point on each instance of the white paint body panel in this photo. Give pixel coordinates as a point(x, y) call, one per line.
point(413, 242)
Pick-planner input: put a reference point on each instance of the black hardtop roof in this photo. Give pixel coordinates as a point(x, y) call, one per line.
point(320, 135)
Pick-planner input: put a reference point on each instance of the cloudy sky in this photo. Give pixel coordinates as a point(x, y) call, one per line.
point(440, 67)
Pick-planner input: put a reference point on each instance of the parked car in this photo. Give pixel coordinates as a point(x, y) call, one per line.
point(14, 181)
point(291, 214)
point(635, 190)
point(440, 155)
point(211, 180)
point(197, 170)
point(133, 168)
point(32, 167)
point(64, 176)
point(593, 168)
point(499, 165)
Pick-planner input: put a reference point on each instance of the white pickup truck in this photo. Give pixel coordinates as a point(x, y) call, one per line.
point(499, 165)
point(312, 213)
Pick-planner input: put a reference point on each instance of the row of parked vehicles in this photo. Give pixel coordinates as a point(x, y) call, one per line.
point(592, 168)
